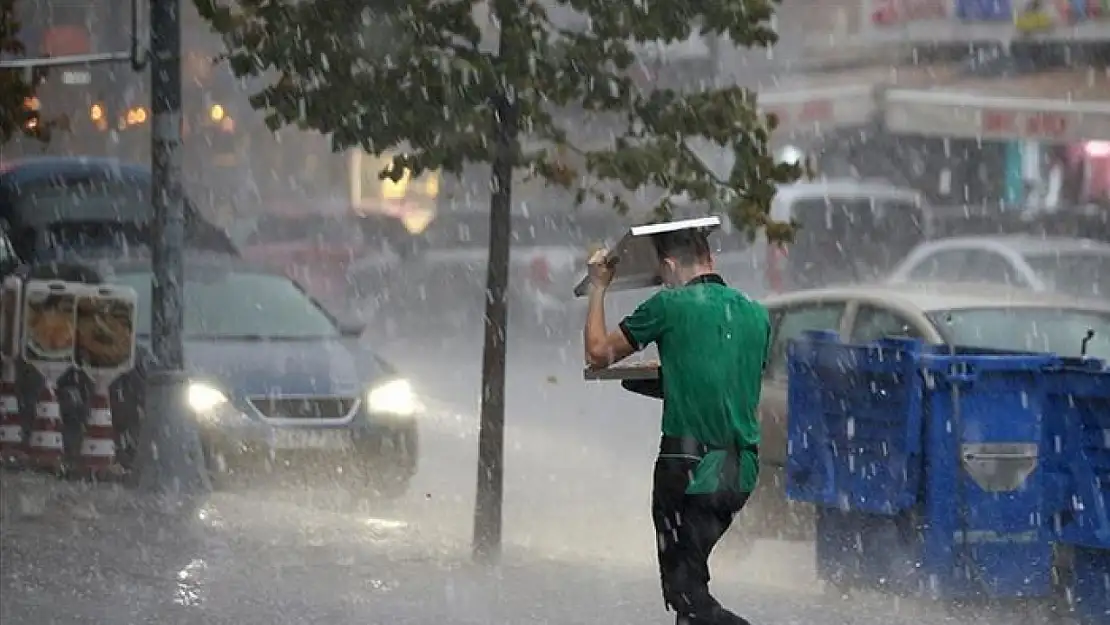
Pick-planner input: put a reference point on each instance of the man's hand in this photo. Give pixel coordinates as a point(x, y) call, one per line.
point(601, 271)
point(602, 349)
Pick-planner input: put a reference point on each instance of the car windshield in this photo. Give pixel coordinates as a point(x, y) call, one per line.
point(1083, 274)
point(228, 304)
point(1026, 329)
point(87, 198)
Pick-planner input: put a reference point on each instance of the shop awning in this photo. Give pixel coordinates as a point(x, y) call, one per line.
point(820, 103)
point(1057, 106)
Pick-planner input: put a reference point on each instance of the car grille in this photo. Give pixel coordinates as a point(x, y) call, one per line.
point(304, 407)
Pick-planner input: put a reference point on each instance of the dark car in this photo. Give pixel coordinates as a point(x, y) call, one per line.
point(276, 381)
point(53, 204)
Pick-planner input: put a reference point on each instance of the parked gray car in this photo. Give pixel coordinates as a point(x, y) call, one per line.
point(1077, 267)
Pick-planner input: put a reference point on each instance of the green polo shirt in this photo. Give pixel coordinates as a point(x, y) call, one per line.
point(713, 343)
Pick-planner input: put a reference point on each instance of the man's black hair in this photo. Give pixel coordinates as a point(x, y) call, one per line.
point(686, 247)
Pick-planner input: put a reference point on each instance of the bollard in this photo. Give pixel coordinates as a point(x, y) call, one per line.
point(98, 446)
point(12, 450)
point(47, 445)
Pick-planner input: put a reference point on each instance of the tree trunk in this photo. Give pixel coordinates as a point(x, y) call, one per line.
point(491, 433)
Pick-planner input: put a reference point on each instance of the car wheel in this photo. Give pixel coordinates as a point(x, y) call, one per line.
point(390, 484)
point(218, 474)
point(388, 461)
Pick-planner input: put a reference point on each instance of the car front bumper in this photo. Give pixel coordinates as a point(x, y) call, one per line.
point(243, 442)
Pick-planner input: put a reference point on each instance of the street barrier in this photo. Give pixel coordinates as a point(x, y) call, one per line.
point(47, 443)
point(98, 447)
point(52, 330)
point(951, 473)
point(11, 423)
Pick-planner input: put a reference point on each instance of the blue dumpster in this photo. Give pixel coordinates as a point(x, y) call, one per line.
point(923, 464)
point(1079, 453)
point(1090, 591)
point(1077, 456)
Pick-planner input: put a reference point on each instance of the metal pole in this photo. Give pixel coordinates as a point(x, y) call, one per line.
point(170, 458)
point(72, 59)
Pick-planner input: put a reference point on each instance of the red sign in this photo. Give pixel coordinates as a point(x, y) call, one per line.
point(1036, 125)
point(895, 12)
point(807, 112)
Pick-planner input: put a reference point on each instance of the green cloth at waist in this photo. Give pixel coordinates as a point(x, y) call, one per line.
point(707, 475)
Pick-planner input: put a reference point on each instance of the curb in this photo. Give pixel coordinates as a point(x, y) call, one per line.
point(28, 496)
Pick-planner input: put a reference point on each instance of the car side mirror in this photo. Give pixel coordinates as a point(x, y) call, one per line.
point(351, 329)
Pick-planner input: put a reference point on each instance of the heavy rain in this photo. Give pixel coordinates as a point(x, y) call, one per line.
point(295, 301)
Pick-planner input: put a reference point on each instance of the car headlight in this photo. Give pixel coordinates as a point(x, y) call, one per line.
point(395, 397)
point(205, 398)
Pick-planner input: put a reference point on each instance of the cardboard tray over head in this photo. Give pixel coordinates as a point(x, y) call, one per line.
point(648, 370)
point(635, 258)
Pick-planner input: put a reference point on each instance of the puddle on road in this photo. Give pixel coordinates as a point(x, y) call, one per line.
point(189, 584)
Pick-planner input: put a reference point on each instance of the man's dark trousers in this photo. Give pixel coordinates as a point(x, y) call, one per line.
point(687, 528)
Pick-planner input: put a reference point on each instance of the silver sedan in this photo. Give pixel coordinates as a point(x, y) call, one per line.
point(1045, 264)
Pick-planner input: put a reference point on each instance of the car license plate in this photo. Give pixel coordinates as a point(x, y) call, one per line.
point(76, 78)
point(311, 439)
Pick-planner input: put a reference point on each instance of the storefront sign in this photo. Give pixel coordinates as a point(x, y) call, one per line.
point(960, 21)
point(1026, 125)
point(819, 110)
point(922, 112)
point(985, 10)
point(886, 13)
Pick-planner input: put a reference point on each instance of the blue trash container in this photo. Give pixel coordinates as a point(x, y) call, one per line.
point(924, 466)
point(1091, 589)
point(856, 441)
point(1079, 453)
point(984, 492)
point(1078, 457)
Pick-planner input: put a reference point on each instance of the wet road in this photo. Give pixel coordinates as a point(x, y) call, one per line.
point(578, 543)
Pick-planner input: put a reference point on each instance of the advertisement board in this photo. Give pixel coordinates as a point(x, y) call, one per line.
point(817, 104)
point(105, 330)
point(11, 315)
point(49, 321)
point(956, 21)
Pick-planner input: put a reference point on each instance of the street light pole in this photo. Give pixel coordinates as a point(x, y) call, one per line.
point(170, 460)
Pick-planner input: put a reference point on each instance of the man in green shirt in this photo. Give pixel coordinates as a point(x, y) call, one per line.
point(713, 343)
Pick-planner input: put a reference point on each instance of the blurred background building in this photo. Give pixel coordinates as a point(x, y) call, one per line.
point(999, 102)
point(970, 101)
